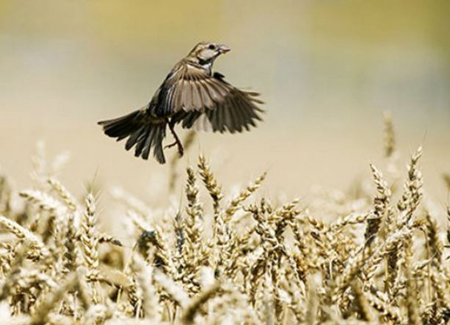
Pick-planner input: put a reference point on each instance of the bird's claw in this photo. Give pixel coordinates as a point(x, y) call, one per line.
point(180, 151)
point(180, 147)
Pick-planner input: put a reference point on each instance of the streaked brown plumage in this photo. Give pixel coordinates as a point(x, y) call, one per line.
point(193, 96)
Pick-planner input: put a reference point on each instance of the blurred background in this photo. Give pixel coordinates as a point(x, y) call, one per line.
point(326, 69)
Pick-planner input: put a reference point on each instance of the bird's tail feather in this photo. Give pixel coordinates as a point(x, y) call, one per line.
point(140, 133)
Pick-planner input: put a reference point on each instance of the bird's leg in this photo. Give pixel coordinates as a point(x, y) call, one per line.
point(167, 146)
point(177, 140)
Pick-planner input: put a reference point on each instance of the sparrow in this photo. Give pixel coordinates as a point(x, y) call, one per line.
point(193, 96)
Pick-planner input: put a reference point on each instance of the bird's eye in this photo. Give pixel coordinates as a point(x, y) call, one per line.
point(212, 47)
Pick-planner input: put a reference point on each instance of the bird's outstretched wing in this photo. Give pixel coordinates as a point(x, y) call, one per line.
point(206, 101)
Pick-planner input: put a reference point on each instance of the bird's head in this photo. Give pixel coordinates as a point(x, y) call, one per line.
point(205, 53)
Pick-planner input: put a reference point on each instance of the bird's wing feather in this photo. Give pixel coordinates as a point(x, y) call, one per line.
point(207, 102)
point(190, 87)
point(237, 113)
point(194, 89)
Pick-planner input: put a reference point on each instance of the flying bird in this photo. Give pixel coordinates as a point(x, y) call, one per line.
point(193, 96)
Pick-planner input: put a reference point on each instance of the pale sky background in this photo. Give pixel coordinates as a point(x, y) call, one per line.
point(326, 70)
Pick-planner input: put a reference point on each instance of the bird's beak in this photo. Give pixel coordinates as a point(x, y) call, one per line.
point(223, 49)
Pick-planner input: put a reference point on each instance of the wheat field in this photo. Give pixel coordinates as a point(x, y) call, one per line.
point(220, 258)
